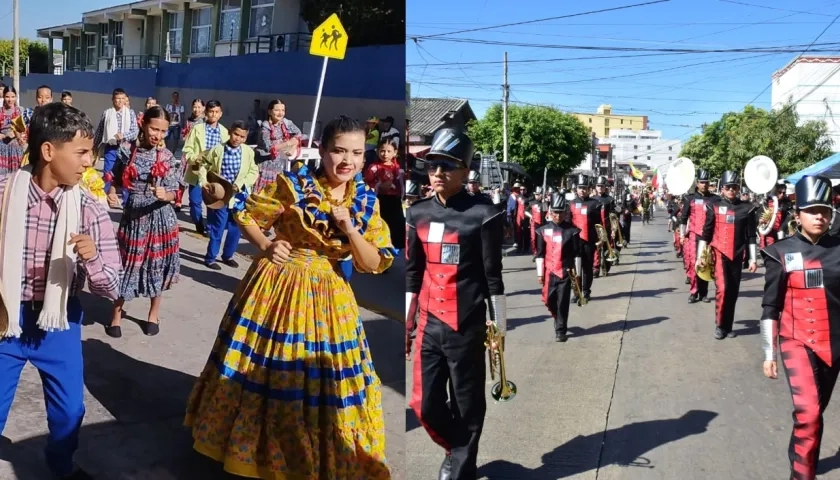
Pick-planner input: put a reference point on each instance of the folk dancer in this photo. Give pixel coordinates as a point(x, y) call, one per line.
point(801, 305)
point(535, 212)
point(692, 219)
point(607, 207)
point(42, 320)
point(729, 229)
point(148, 233)
point(203, 137)
point(281, 138)
point(231, 163)
point(117, 126)
point(13, 142)
point(558, 249)
point(386, 179)
point(586, 213)
point(454, 265)
point(674, 209)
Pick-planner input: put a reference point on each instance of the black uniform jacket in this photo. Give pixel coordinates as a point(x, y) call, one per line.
point(607, 207)
point(558, 245)
point(730, 226)
point(696, 203)
point(802, 291)
point(585, 215)
point(454, 257)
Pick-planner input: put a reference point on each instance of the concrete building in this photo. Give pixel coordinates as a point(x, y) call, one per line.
point(813, 83)
point(601, 122)
point(646, 149)
point(143, 34)
point(428, 115)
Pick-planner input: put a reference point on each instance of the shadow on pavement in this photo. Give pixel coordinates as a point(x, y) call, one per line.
point(619, 325)
point(751, 327)
point(533, 291)
point(411, 421)
point(636, 293)
point(622, 446)
point(640, 272)
point(211, 278)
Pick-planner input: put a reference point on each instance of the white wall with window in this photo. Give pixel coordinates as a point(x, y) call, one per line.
point(261, 21)
point(645, 147)
point(202, 20)
point(104, 39)
point(90, 49)
point(230, 20)
point(176, 35)
point(132, 36)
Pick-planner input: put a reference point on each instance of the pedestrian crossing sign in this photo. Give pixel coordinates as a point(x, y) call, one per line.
point(329, 39)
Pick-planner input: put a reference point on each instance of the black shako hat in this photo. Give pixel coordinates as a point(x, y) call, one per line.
point(581, 180)
point(451, 144)
point(412, 189)
point(813, 191)
point(558, 202)
point(474, 177)
point(702, 175)
point(730, 178)
point(601, 181)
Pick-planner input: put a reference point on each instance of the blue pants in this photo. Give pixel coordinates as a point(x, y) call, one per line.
point(173, 138)
point(219, 222)
point(196, 203)
point(58, 358)
point(110, 160)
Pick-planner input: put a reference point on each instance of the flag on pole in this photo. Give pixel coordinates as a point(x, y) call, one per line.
point(635, 173)
point(657, 179)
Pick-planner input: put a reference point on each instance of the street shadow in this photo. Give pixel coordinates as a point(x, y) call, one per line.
point(97, 309)
point(829, 464)
point(623, 446)
point(517, 270)
point(411, 421)
point(636, 293)
point(750, 327)
point(750, 294)
point(640, 272)
point(617, 326)
point(386, 340)
point(649, 253)
point(211, 278)
point(533, 291)
point(514, 323)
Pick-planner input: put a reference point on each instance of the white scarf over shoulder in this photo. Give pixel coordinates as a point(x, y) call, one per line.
point(113, 127)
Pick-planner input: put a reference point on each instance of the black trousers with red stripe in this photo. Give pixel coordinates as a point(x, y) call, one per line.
point(558, 301)
point(811, 383)
point(443, 356)
point(727, 287)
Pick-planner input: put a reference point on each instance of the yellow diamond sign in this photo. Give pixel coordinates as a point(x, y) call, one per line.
point(329, 39)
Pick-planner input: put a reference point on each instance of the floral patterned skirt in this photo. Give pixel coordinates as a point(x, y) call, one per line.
point(289, 391)
point(268, 173)
point(11, 156)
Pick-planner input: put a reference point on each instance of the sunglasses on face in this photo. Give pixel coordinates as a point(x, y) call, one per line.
point(731, 187)
point(445, 166)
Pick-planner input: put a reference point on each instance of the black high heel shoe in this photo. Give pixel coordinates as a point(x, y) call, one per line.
point(113, 331)
point(151, 329)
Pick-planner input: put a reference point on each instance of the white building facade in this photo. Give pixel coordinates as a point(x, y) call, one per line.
point(813, 83)
point(645, 149)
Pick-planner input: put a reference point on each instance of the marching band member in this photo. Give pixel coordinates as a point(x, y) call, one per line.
point(803, 271)
point(674, 209)
point(454, 263)
point(607, 207)
point(777, 231)
point(627, 205)
point(412, 193)
point(729, 228)
point(522, 234)
point(558, 249)
point(834, 229)
point(586, 213)
point(474, 185)
point(536, 216)
point(692, 218)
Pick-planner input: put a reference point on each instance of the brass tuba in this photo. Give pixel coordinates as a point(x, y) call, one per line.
point(760, 176)
point(707, 259)
point(604, 241)
point(503, 390)
point(575, 279)
point(616, 228)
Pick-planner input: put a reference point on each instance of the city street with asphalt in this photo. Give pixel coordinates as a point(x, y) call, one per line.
point(137, 386)
point(641, 390)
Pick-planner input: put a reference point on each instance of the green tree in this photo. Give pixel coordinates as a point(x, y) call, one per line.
point(538, 136)
point(368, 22)
point(729, 143)
point(35, 51)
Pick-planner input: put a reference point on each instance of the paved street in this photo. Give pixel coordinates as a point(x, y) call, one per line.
point(137, 386)
point(641, 390)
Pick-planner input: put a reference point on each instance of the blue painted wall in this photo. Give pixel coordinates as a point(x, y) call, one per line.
point(376, 73)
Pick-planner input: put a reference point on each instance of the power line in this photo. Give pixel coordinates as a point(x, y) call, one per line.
point(798, 12)
point(526, 22)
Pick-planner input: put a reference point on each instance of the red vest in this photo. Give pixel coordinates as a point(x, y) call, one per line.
point(536, 214)
point(580, 219)
point(723, 239)
point(520, 208)
point(553, 258)
point(805, 314)
point(697, 215)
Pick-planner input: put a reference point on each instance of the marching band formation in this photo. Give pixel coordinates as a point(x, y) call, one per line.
point(455, 301)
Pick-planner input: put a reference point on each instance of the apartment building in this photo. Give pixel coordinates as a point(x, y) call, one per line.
point(143, 34)
point(604, 119)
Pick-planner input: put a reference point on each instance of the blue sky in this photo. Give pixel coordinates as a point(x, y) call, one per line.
point(35, 14)
point(677, 92)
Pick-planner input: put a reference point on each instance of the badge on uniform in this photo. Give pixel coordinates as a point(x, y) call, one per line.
point(698, 201)
point(436, 232)
point(793, 262)
point(814, 278)
point(722, 210)
point(583, 211)
point(730, 219)
point(548, 231)
point(450, 254)
point(557, 238)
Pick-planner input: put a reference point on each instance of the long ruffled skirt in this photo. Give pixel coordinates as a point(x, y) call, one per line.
point(289, 391)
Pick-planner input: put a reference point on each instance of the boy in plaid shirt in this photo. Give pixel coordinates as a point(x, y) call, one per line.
point(234, 162)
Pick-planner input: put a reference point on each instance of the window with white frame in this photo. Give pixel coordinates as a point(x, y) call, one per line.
point(230, 19)
point(117, 37)
point(200, 35)
point(77, 50)
point(262, 15)
point(90, 49)
point(176, 32)
point(103, 38)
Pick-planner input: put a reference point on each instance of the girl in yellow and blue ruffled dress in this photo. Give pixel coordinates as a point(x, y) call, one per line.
point(289, 391)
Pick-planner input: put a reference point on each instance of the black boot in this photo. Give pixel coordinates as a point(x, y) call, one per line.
point(693, 298)
point(706, 299)
point(445, 472)
point(575, 299)
point(719, 333)
point(687, 281)
point(560, 337)
point(731, 334)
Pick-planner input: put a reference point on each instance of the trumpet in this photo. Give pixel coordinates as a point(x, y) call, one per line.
point(707, 259)
point(616, 228)
point(18, 125)
point(504, 390)
point(575, 279)
point(791, 227)
point(603, 240)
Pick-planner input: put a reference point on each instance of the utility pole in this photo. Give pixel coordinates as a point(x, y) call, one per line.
point(506, 93)
point(16, 42)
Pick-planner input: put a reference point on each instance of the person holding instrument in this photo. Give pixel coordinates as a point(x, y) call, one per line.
point(558, 249)
point(454, 264)
point(801, 318)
